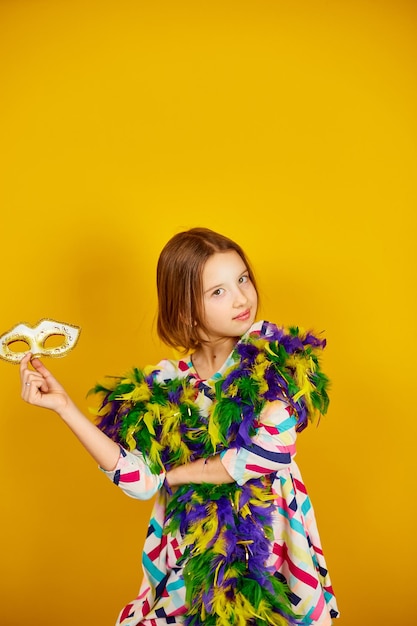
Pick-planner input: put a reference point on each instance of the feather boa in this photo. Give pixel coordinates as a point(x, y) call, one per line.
point(227, 528)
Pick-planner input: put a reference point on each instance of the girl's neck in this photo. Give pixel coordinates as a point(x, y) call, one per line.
point(209, 357)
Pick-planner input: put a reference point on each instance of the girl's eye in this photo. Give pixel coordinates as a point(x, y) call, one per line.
point(217, 292)
point(244, 279)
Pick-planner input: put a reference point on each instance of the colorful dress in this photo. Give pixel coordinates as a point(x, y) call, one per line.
point(265, 519)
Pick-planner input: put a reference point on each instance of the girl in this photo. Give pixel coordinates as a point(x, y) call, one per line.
point(232, 538)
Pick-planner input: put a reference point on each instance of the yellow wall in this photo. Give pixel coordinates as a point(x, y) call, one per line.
point(289, 126)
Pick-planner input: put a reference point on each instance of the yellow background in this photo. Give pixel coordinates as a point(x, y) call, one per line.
point(289, 126)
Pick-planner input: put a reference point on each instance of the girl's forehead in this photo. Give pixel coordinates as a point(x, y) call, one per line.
point(223, 264)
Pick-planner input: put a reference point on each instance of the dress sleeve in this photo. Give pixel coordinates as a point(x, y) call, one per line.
point(134, 477)
point(271, 449)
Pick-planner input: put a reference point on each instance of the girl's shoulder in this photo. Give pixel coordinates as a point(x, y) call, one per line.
point(261, 329)
point(264, 331)
point(169, 369)
point(293, 338)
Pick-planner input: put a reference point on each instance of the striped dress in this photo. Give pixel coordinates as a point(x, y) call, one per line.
point(295, 554)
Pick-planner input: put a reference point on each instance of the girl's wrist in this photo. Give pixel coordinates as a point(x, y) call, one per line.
point(67, 410)
point(188, 473)
point(171, 477)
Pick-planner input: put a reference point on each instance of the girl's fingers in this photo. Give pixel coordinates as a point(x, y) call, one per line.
point(24, 363)
point(33, 382)
point(51, 382)
point(36, 364)
point(40, 367)
point(38, 386)
point(25, 372)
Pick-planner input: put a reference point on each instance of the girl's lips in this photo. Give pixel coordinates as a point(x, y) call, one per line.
point(243, 316)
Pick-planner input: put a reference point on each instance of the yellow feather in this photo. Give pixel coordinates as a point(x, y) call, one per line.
point(109, 382)
point(97, 412)
point(197, 498)
point(188, 394)
point(216, 573)
point(262, 344)
point(184, 454)
point(154, 454)
point(220, 547)
point(264, 613)
point(171, 419)
point(238, 493)
point(261, 497)
point(130, 440)
point(193, 535)
point(210, 527)
point(141, 393)
point(259, 373)
point(239, 612)
point(201, 534)
point(261, 359)
point(245, 510)
point(174, 440)
point(303, 367)
point(213, 431)
point(126, 380)
point(148, 418)
point(203, 612)
point(196, 434)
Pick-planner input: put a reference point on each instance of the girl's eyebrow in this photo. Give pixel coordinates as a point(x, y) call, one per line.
point(221, 284)
point(213, 288)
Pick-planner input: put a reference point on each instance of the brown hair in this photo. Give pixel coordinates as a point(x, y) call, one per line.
point(179, 284)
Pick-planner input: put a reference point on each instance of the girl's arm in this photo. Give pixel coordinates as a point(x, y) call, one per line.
point(210, 470)
point(41, 389)
point(128, 470)
point(271, 449)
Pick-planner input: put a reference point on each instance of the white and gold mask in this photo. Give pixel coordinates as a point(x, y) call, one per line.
point(13, 343)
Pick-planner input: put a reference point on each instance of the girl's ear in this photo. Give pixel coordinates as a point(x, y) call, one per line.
point(187, 321)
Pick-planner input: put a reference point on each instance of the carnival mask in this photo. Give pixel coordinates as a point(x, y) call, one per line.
point(35, 338)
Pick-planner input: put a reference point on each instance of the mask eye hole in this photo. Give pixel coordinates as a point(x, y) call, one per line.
point(17, 346)
point(54, 341)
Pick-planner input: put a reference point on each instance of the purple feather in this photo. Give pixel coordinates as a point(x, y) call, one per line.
point(175, 396)
point(247, 352)
point(235, 374)
point(244, 433)
point(312, 340)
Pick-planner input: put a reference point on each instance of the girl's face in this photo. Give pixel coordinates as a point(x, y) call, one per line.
point(229, 298)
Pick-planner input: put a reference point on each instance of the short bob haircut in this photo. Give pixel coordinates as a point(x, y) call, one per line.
point(179, 284)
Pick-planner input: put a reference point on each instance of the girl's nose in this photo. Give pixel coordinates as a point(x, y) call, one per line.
point(240, 298)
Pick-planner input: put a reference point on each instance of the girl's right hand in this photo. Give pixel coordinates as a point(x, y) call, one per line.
point(40, 388)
